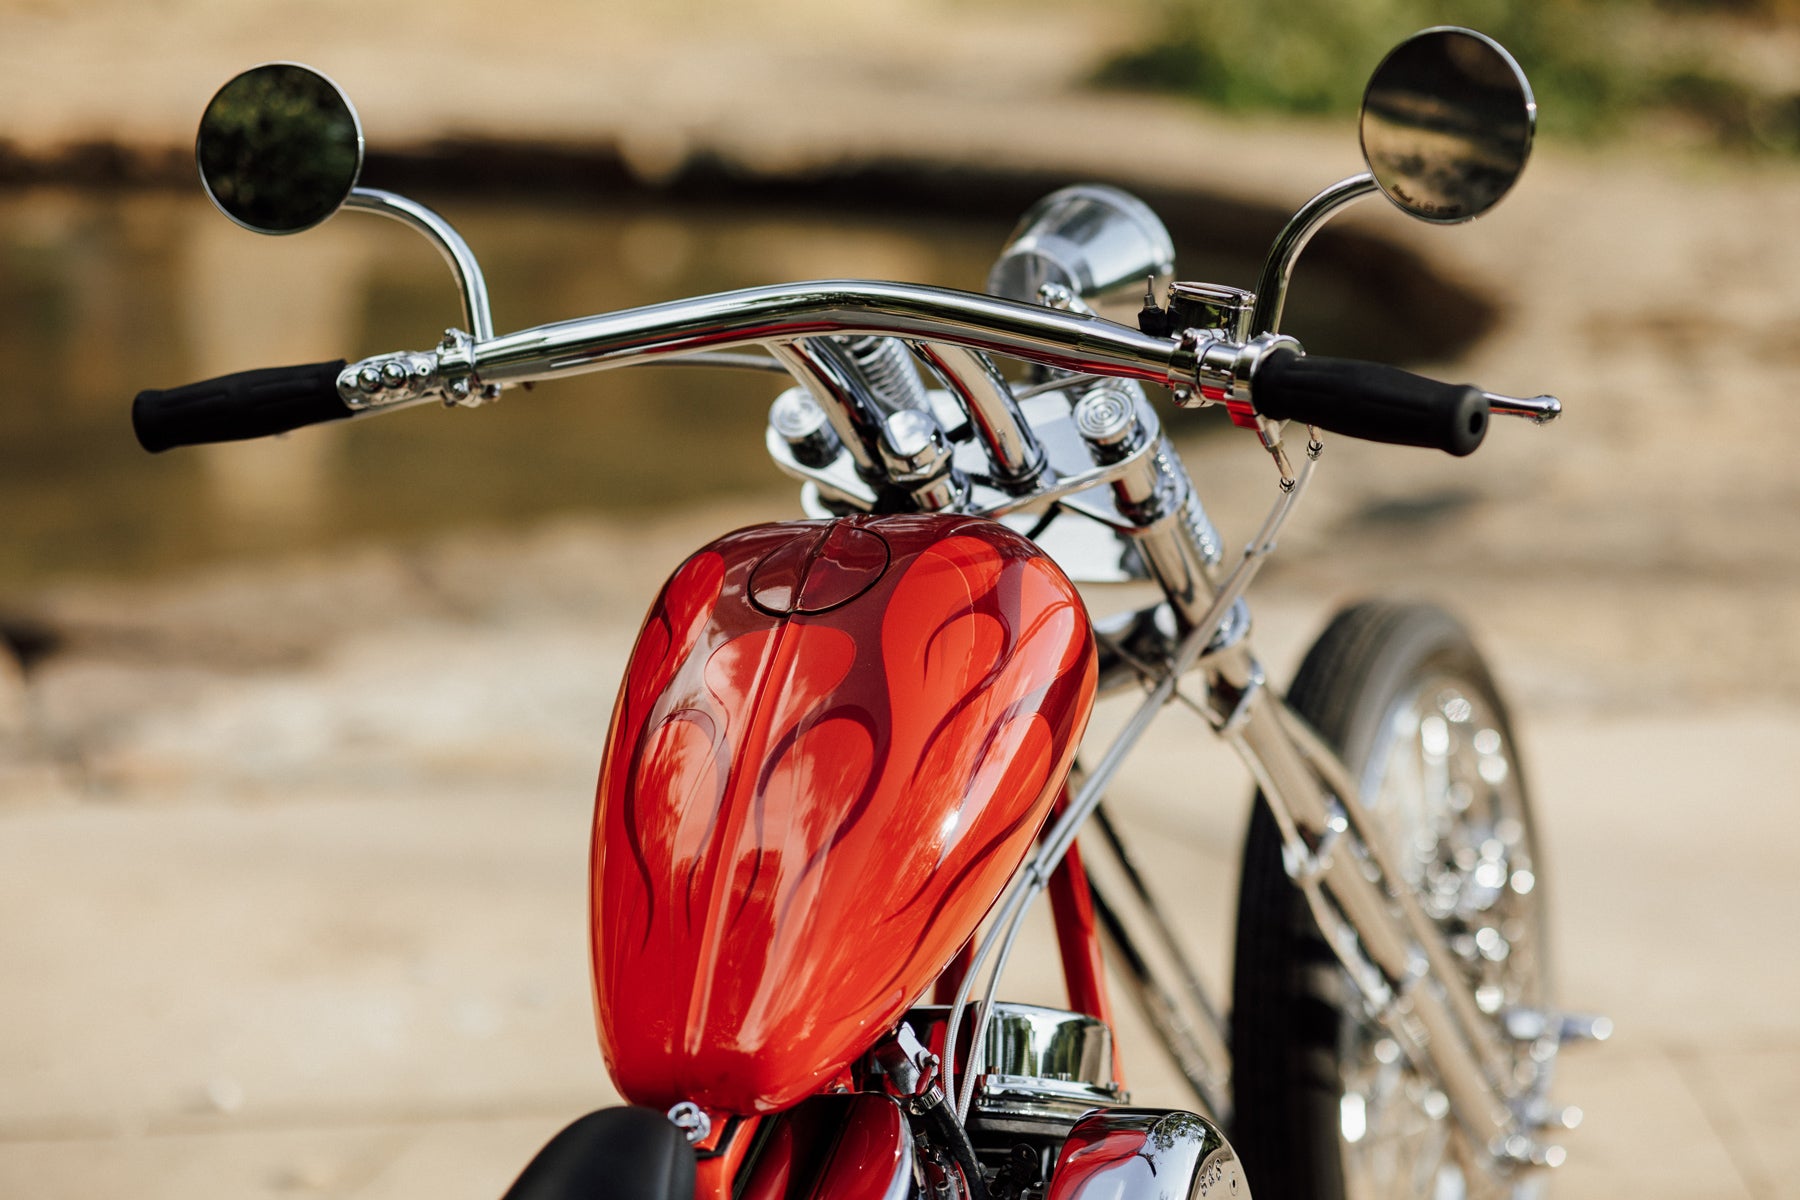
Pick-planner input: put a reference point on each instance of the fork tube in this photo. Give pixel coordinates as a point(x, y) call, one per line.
point(853, 415)
point(1172, 534)
point(1326, 859)
point(1462, 1003)
point(1002, 428)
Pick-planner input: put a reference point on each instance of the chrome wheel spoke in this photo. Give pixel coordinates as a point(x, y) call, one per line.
point(1444, 789)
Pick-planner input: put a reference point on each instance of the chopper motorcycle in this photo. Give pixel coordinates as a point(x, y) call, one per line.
point(843, 763)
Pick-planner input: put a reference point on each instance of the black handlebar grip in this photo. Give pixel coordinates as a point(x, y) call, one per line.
point(1370, 400)
point(231, 408)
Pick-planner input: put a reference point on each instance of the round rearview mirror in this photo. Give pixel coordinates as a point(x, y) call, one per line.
point(1446, 124)
point(279, 148)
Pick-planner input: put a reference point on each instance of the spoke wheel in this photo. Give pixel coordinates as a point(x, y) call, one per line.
point(1328, 1106)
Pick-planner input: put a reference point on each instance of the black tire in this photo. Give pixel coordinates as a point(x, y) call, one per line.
point(1300, 1045)
point(624, 1153)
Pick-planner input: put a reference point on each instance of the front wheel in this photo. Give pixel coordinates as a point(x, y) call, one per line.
point(1327, 1106)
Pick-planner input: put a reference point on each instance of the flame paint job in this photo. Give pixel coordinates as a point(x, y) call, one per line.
point(835, 742)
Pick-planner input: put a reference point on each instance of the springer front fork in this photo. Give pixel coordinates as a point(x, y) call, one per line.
point(1407, 977)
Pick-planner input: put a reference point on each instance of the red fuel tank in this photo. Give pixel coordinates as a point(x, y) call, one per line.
point(835, 742)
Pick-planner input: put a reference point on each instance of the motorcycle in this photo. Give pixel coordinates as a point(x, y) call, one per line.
point(847, 755)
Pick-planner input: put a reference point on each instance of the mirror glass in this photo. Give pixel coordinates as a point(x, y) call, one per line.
point(1446, 124)
point(279, 148)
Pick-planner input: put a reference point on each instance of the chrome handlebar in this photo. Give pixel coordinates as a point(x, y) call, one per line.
point(953, 331)
point(1097, 446)
point(790, 312)
point(799, 324)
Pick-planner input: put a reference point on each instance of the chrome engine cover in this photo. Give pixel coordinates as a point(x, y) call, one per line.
point(1043, 1068)
point(1147, 1154)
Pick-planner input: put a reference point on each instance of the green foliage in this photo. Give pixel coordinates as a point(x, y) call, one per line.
point(1599, 67)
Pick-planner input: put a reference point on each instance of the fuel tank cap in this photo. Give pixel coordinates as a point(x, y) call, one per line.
point(813, 574)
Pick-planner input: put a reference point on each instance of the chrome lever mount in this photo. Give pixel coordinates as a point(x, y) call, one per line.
point(388, 381)
point(1223, 369)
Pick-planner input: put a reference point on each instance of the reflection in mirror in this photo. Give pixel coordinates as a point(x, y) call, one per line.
point(279, 148)
point(1446, 124)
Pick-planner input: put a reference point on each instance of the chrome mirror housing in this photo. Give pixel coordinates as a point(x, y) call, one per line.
point(1090, 248)
point(279, 148)
point(1447, 123)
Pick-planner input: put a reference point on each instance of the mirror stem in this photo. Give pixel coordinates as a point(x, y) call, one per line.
point(1271, 288)
point(450, 244)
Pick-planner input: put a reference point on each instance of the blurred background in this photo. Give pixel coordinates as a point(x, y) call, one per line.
point(297, 738)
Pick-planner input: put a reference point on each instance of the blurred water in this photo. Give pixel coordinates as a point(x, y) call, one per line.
point(104, 293)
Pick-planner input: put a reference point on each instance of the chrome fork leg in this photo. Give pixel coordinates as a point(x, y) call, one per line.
point(1398, 963)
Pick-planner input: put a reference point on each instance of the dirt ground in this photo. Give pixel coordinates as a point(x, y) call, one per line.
point(292, 857)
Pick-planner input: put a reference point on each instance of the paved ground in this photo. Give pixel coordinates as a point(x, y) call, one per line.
point(308, 920)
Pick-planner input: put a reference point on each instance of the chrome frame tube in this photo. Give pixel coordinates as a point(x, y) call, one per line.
point(1033, 877)
point(854, 414)
point(1056, 842)
point(449, 243)
point(999, 424)
point(1393, 953)
point(1200, 1048)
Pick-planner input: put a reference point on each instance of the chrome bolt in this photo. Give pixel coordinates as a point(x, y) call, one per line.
point(692, 1120)
point(911, 434)
point(803, 425)
point(917, 457)
point(1105, 417)
point(796, 415)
